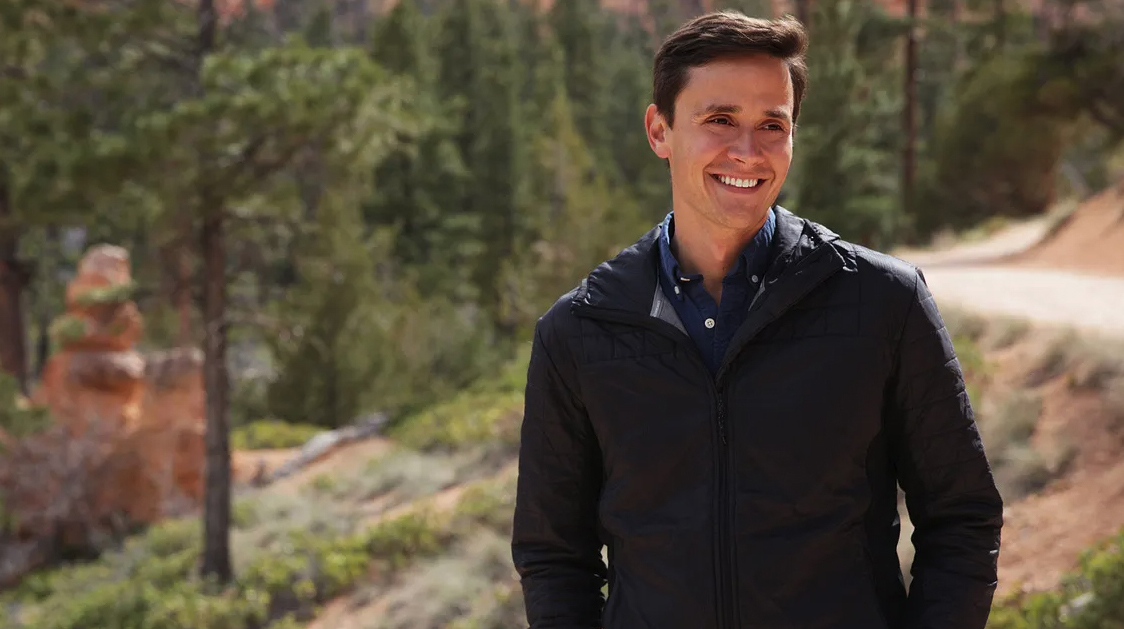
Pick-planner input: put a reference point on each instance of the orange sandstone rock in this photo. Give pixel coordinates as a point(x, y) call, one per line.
point(138, 420)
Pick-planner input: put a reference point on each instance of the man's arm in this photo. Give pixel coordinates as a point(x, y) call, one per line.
point(956, 510)
point(555, 544)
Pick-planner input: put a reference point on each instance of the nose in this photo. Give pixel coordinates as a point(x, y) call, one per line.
point(744, 148)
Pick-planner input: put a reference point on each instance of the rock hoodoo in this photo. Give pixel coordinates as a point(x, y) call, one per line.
point(127, 440)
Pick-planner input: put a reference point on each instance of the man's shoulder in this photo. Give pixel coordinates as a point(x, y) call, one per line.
point(877, 269)
point(559, 321)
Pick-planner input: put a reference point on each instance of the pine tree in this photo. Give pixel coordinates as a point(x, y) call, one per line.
point(409, 182)
point(326, 369)
point(477, 51)
point(667, 16)
point(846, 142)
point(640, 171)
point(582, 31)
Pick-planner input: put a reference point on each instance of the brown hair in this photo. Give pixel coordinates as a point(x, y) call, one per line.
point(724, 34)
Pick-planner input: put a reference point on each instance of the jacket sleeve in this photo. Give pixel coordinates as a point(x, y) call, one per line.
point(955, 508)
point(555, 542)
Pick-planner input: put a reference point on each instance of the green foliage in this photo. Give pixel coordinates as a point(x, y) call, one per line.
point(489, 412)
point(151, 583)
point(1092, 597)
point(973, 363)
point(845, 172)
point(982, 145)
point(17, 417)
point(583, 35)
point(271, 434)
point(67, 329)
point(467, 419)
point(489, 503)
point(397, 541)
point(326, 369)
point(111, 294)
point(363, 338)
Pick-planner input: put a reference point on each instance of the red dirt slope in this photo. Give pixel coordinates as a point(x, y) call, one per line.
point(1091, 240)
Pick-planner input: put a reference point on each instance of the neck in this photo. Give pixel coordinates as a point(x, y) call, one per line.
point(709, 249)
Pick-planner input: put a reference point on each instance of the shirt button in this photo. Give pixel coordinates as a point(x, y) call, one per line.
point(676, 290)
point(754, 278)
point(709, 323)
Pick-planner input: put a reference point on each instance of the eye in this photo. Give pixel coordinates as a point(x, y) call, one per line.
point(722, 120)
point(774, 126)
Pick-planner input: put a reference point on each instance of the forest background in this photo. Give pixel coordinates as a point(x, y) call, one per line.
point(354, 207)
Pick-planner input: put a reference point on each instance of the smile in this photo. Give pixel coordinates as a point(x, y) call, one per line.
point(738, 183)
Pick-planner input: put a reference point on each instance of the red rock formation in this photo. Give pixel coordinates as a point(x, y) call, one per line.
point(128, 427)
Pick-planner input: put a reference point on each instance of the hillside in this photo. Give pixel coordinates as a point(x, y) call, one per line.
point(1090, 240)
point(411, 530)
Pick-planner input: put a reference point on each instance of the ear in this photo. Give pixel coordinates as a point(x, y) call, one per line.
point(657, 128)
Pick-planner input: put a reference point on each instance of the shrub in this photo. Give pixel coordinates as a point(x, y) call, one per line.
point(1092, 597)
point(977, 372)
point(67, 329)
point(1056, 359)
point(152, 582)
point(490, 503)
point(271, 434)
point(1020, 469)
point(17, 417)
point(490, 411)
point(110, 294)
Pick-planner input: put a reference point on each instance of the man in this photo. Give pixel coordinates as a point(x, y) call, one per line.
point(730, 403)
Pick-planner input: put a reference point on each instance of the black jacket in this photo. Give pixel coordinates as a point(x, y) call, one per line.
point(762, 497)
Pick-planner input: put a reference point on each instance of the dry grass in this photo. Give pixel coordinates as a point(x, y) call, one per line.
point(1020, 469)
point(435, 594)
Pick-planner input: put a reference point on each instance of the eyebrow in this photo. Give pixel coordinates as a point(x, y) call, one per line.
point(711, 110)
point(779, 113)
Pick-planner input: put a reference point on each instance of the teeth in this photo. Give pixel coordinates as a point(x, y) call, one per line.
point(739, 183)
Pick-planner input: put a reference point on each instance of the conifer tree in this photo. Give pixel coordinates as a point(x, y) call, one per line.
point(582, 31)
point(640, 170)
point(409, 183)
point(844, 172)
point(477, 51)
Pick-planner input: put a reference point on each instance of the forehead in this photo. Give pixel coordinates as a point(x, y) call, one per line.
point(754, 83)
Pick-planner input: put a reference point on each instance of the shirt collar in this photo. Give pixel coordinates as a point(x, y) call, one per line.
point(753, 260)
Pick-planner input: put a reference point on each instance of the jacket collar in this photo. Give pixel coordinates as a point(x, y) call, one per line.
point(626, 282)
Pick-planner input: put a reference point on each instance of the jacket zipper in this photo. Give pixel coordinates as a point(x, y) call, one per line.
point(726, 561)
point(725, 581)
point(727, 617)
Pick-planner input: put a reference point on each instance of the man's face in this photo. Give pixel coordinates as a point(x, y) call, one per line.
point(732, 128)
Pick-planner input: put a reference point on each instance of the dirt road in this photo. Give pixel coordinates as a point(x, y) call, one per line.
point(974, 277)
point(1059, 298)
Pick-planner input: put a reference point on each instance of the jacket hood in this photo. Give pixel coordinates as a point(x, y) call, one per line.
point(626, 282)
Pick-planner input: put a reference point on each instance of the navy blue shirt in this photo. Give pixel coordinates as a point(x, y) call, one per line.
point(711, 326)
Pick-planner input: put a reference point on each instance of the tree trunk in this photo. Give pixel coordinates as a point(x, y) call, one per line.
point(216, 499)
point(1001, 23)
point(13, 279)
point(958, 42)
point(181, 293)
point(216, 514)
point(803, 12)
point(909, 125)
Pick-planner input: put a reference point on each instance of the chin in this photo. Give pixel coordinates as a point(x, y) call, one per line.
point(744, 216)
